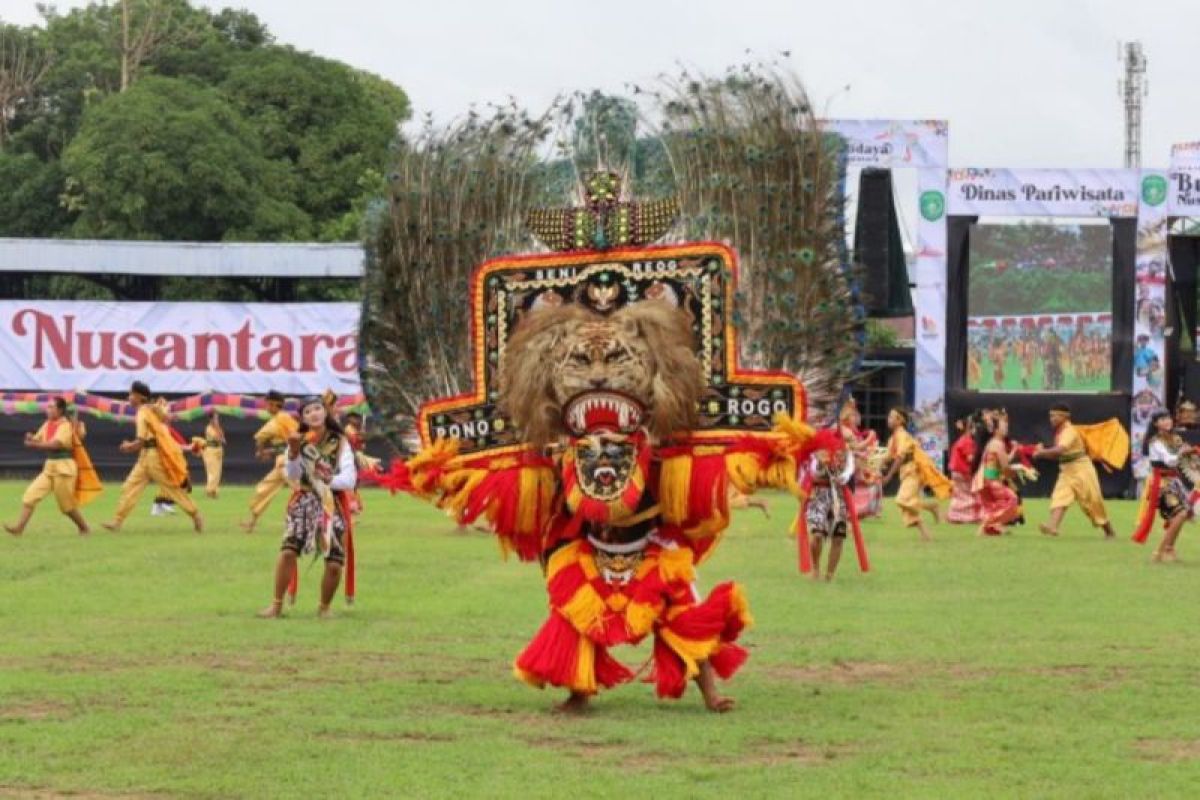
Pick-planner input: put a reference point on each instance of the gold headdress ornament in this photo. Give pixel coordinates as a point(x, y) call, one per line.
point(605, 220)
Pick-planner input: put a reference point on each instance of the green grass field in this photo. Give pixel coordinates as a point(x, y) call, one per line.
point(1037, 381)
point(131, 665)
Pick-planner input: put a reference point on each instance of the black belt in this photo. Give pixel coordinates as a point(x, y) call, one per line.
point(59, 458)
point(149, 444)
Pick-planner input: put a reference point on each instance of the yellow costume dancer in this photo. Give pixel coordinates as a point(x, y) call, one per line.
point(1077, 479)
point(160, 461)
point(67, 473)
point(916, 472)
point(211, 449)
point(270, 442)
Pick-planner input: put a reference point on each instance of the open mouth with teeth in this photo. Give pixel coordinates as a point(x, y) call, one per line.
point(605, 476)
point(593, 412)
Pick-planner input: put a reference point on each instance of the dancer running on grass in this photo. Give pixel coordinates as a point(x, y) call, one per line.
point(1165, 490)
point(865, 486)
point(159, 461)
point(270, 442)
point(998, 503)
point(66, 463)
point(917, 473)
point(964, 503)
point(1077, 479)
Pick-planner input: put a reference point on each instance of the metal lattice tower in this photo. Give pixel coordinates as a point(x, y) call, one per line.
point(1131, 89)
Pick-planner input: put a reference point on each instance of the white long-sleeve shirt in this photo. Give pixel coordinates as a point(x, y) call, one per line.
point(345, 476)
point(1161, 454)
point(815, 468)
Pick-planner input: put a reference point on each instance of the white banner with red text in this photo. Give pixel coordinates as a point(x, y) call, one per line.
point(295, 348)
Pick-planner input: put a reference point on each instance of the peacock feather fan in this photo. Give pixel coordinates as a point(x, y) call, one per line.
point(753, 168)
point(738, 158)
point(457, 197)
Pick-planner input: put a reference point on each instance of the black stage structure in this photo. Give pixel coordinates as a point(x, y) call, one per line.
point(1028, 412)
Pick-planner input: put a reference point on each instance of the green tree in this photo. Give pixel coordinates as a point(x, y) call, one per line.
point(324, 129)
point(24, 62)
point(170, 159)
point(329, 126)
point(96, 50)
point(29, 204)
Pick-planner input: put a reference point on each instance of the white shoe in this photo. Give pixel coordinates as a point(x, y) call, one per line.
point(156, 510)
point(169, 508)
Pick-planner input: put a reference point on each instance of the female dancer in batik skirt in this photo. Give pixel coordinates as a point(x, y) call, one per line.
point(998, 503)
point(964, 504)
point(1165, 490)
point(826, 512)
point(320, 463)
point(866, 488)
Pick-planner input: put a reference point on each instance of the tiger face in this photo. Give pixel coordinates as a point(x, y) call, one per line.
point(602, 355)
point(644, 351)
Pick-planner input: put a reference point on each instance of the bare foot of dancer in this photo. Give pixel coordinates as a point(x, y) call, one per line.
point(13, 531)
point(1046, 529)
point(576, 703)
point(248, 526)
point(273, 611)
point(324, 612)
point(198, 523)
point(115, 527)
point(707, 681)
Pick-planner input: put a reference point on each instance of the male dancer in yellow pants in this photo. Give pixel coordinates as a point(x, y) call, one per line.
point(1077, 482)
point(59, 475)
point(270, 443)
point(160, 461)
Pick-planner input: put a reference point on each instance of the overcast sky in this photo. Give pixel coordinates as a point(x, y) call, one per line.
point(1022, 82)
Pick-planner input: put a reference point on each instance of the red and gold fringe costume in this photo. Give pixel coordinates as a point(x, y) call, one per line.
point(589, 615)
point(679, 491)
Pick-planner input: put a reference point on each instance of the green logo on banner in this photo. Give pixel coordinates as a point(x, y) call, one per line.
point(1154, 190)
point(933, 205)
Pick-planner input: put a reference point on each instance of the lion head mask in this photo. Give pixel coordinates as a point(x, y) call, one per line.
point(638, 364)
